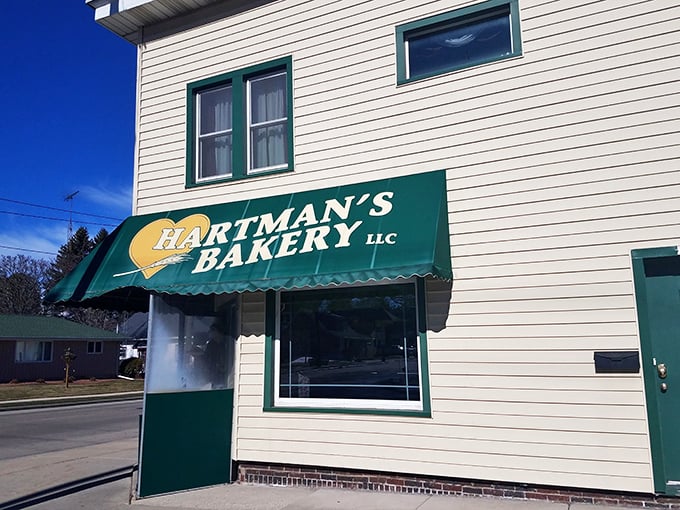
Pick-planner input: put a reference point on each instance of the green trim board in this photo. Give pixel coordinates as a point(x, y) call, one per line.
point(456, 19)
point(378, 230)
point(237, 79)
point(270, 335)
point(421, 308)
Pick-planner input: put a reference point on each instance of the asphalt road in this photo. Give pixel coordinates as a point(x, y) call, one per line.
point(36, 431)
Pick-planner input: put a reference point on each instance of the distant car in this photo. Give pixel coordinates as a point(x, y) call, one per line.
point(411, 350)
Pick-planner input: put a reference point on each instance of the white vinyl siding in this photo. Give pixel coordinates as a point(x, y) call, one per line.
point(494, 400)
point(558, 164)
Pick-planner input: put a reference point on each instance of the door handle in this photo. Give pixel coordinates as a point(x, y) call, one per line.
point(662, 370)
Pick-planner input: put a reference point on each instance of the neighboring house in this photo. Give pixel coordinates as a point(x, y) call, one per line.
point(32, 348)
point(414, 245)
point(135, 329)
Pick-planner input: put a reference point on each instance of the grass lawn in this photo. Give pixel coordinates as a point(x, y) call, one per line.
point(50, 389)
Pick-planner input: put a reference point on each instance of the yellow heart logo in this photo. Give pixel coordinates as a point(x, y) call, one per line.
point(164, 242)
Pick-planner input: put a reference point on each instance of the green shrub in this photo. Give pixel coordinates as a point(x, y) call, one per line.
point(132, 367)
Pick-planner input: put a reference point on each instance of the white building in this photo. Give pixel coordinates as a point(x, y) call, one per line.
point(290, 153)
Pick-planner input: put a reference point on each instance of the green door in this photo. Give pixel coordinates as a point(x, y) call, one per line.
point(189, 394)
point(657, 288)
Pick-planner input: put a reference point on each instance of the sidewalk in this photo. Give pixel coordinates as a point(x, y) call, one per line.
point(26, 475)
point(22, 476)
point(114, 496)
point(257, 497)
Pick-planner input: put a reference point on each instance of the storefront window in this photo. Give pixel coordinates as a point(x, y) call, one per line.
point(191, 344)
point(354, 347)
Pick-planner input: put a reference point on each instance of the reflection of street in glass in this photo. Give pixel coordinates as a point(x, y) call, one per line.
point(390, 379)
point(350, 343)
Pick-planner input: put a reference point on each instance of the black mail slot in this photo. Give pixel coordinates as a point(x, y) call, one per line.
point(617, 362)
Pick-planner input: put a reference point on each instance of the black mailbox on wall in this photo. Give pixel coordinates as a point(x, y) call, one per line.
point(617, 362)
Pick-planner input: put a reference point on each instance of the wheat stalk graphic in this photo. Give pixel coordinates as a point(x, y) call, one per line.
point(170, 259)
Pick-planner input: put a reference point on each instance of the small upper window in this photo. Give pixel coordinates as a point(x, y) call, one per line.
point(458, 39)
point(240, 124)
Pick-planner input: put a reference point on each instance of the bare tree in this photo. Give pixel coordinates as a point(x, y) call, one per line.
point(22, 284)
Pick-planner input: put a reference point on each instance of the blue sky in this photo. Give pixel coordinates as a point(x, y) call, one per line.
point(67, 97)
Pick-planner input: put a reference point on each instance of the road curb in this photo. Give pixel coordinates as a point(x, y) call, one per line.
point(15, 405)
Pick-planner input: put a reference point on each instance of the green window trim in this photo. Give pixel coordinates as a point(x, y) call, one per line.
point(271, 318)
point(433, 23)
point(240, 160)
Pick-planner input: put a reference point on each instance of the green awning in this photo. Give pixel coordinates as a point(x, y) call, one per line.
point(386, 229)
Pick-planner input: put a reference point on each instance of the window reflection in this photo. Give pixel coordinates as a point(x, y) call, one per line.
point(462, 44)
point(350, 343)
point(191, 344)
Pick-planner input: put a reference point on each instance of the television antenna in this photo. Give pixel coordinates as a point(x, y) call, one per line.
point(69, 199)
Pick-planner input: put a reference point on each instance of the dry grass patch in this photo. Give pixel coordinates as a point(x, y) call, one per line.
point(50, 389)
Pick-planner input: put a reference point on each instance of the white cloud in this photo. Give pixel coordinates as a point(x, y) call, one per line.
point(42, 237)
point(112, 202)
point(39, 241)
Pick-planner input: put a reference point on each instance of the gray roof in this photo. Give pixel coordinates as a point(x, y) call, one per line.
point(17, 327)
point(136, 326)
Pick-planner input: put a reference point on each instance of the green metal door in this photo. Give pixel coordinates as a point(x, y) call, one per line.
point(189, 394)
point(657, 287)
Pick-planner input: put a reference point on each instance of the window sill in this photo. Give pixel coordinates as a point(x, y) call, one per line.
point(225, 180)
point(338, 410)
point(451, 70)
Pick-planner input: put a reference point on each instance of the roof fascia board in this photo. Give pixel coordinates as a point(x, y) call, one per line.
point(199, 17)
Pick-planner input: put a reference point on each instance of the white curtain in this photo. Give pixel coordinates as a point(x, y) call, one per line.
point(215, 132)
point(28, 351)
point(268, 121)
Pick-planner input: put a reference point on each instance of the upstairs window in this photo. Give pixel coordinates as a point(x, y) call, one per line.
point(267, 122)
point(240, 124)
point(466, 37)
point(214, 140)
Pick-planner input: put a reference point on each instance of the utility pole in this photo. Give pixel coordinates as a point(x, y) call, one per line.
point(69, 199)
